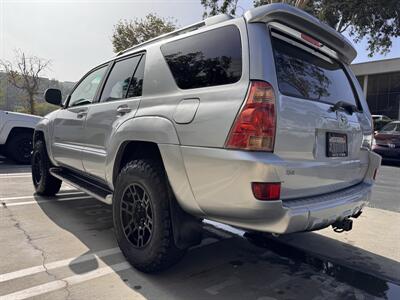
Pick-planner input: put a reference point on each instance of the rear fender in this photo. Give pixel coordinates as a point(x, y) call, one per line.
point(161, 131)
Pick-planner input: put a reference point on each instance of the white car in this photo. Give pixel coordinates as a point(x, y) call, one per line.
point(16, 132)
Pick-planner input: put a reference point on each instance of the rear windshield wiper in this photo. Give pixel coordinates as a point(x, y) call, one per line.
point(346, 106)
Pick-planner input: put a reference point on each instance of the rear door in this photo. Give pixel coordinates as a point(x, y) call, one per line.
point(119, 101)
point(320, 145)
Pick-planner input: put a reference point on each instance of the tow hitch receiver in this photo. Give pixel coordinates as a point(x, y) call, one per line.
point(343, 225)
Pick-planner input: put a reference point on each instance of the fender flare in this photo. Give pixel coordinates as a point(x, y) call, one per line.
point(44, 127)
point(161, 131)
point(154, 129)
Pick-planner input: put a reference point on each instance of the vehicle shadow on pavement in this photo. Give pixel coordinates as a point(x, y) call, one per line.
point(9, 166)
point(229, 266)
point(391, 163)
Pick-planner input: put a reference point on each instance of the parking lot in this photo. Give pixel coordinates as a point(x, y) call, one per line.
point(63, 248)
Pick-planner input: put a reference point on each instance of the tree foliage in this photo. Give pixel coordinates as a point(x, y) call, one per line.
point(24, 73)
point(376, 21)
point(128, 33)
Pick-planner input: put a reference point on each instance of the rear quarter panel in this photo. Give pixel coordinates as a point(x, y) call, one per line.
point(218, 105)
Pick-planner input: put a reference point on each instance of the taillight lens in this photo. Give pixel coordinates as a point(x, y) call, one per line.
point(266, 190)
point(254, 127)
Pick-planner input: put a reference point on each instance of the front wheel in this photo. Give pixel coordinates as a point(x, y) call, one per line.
point(142, 219)
point(45, 184)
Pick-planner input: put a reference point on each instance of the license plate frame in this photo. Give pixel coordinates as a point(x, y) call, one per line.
point(336, 144)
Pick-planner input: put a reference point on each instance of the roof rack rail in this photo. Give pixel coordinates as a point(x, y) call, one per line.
point(207, 22)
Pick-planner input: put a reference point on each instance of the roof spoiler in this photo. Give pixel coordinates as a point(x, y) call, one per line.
point(304, 22)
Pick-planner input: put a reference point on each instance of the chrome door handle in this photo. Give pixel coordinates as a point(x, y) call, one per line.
point(81, 114)
point(123, 110)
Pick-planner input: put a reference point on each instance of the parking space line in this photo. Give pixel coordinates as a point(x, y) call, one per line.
point(69, 281)
point(58, 264)
point(31, 196)
point(6, 175)
point(44, 201)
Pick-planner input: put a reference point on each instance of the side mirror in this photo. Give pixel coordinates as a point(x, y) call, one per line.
point(53, 96)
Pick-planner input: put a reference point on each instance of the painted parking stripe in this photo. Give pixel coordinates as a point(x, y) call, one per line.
point(59, 284)
point(31, 196)
point(58, 264)
point(44, 201)
point(16, 175)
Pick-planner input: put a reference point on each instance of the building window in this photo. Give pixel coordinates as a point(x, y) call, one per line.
point(361, 81)
point(383, 94)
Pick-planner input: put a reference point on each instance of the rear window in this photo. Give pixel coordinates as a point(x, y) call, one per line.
point(205, 59)
point(310, 76)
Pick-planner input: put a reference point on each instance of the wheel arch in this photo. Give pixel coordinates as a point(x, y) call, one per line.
point(152, 137)
point(17, 130)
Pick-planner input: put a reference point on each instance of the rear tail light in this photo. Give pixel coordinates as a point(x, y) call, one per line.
point(254, 127)
point(367, 141)
point(266, 190)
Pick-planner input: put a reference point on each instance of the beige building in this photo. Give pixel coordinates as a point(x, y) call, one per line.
point(380, 81)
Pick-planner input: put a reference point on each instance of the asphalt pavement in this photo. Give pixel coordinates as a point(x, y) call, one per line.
point(63, 247)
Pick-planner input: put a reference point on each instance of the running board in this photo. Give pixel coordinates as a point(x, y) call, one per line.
point(84, 184)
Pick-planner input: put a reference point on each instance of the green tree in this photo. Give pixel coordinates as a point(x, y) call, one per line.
point(128, 33)
point(376, 21)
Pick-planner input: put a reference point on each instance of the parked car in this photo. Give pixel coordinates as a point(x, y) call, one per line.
point(257, 122)
point(387, 142)
point(16, 134)
point(380, 121)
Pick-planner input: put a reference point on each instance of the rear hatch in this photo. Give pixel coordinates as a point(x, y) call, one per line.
point(320, 144)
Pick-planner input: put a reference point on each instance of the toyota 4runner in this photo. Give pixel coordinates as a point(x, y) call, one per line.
point(257, 122)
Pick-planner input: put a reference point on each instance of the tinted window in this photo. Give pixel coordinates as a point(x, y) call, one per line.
point(85, 92)
point(206, 59)
point(119, 79)
point(305, 75)
point(389, 127)
point(136, 85)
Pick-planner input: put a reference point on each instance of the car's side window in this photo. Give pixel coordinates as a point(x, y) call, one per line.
point(136, 85)
point(206, 59)
point(120, 79)
point(389, 127)
point(85, 92)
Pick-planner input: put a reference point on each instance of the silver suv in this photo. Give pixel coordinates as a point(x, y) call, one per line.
point(257, 122)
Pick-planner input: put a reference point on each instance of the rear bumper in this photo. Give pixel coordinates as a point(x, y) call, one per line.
point(306, 214)
point(319, 212)
point(220, 182)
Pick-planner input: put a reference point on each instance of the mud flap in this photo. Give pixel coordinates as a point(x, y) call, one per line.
point(187, 229)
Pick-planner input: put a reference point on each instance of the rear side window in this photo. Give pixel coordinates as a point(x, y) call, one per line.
point(120, 79)
point(311, 76)
point(206, 59)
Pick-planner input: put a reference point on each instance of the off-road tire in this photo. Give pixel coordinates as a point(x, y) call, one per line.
point(160, 252)
point(45, 184)
point(19, 147)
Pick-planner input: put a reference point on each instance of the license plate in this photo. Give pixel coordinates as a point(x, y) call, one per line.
point(336, 144)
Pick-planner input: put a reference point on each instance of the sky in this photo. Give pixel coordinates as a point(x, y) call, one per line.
point(76, 35)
